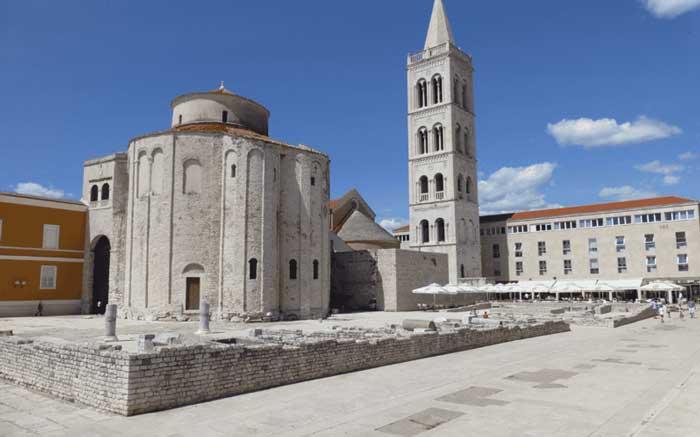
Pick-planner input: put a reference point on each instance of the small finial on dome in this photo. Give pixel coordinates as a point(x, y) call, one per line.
point(221, 87)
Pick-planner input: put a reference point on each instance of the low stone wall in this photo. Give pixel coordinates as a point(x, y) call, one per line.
point(129, 384)
point(646, 313)
point(93, 375)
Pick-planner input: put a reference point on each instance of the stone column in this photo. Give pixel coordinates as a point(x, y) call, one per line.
point(111, 322)
point(203, 318)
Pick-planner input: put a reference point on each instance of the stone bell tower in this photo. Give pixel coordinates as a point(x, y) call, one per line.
point(444, 203)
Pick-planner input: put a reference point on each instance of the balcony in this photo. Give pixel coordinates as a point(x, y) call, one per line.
point(440, 195)
point(423, 197)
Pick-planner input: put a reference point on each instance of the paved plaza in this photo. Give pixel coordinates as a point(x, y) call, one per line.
point(639, 380)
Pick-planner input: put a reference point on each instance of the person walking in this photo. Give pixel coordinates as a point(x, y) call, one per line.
point(662, 311)
point(691, 308)
point(655, 307)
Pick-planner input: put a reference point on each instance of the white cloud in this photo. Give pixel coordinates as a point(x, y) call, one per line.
point(34, 189)
point(670, 8)
point(608, 132)
point(687, 156)
point(511, 189)
point(625, 192)
point(671, 179)
point(659, 168)
point(392, 223)
point(668, 170)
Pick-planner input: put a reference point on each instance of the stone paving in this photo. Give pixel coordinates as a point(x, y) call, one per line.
point(599, 392)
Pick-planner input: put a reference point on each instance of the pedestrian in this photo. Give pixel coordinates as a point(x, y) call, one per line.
point(655, 307)
point(662, 310)
point(691, 308)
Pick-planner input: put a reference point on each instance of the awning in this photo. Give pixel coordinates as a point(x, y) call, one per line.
point(624, 284)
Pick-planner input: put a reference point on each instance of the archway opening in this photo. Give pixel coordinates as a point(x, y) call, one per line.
point(100, 276)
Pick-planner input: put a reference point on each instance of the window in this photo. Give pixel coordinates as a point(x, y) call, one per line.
point(651, 264)
point(438, 138)
point(565, 225)
point(422, 89)
point(467, 145)
point(519, 268)
point(313, 181)
point(233, 171)
point(619, 221)
point(519, 229)
point(437, 89)
point(423, 182)
point(648, 218)
point(179, 119)
point(541, 248)
point(680, 215)
point(192, 183)
point(423, 141)
point(620, 244)
point(591, 223)
point(649, 243)
point(439, 183)
point(457, 140)
point(253, 268)
point(469, 188)
point(622, 265)
point(315, 269)
point(105, 191)
point(541, 227)
point(47, 280)
point(595, 268)
point(567, 267)
point(460, 181)
point(682, 263)
point(592, 247)
point(518, 250)
point(440, 225)
point(94, 194)
point(496, 251)
point(425, 231)
point(464, 97)
point(543, 268)
point(293, 269)
point(681, 242)
point(496, 269)
point(461, 271)
point(51, 234)
point(566, 247)
point(224, 117)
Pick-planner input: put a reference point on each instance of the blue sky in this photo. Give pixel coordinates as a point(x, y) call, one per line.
point(576, 101)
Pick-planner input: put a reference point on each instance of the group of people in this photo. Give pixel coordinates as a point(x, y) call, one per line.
point(663, 310)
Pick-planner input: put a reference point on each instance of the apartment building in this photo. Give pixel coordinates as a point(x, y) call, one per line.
point(42, 251)
point(623, 242)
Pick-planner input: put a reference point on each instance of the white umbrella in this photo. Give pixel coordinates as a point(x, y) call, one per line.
point(433, 289)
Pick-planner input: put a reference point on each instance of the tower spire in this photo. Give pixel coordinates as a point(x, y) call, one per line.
point(439, 31)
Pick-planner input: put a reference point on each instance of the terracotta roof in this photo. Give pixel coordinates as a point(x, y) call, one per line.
point(403, 229)
point(334, 203)
point(50, 199)
point(602, 207)
point(231, 130)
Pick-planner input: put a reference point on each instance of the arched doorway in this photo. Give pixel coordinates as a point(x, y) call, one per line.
point(100, 276)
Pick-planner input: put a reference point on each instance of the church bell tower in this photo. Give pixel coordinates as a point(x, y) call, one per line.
point(444, 202)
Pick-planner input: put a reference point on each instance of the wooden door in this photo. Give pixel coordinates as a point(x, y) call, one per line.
point(192, 299)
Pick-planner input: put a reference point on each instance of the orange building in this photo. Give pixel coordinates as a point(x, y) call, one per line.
point(42, 253)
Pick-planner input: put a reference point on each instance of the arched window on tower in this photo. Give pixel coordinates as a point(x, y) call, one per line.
point(233, 170)
point(423, 183)
point(105, 192)
point(440, 229)
point(293, 269)
point(439, 186)
point(461, 271)
point(422, 141)
point(224, 117)
point(422, 93)
point(316, 265)
point(94, 193)
point(460, 181)
point(253, 268)
point(456, 91)
point(192, 183)
point(469, 188)
point(467, 143)
point(458, 138)
point(437, 89)
point(438, 138)
point(465, 103)
point(425, 231)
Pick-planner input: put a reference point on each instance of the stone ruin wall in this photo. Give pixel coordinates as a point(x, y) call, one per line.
point(135, 383)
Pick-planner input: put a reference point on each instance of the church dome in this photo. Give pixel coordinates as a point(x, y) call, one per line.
point(220, 106)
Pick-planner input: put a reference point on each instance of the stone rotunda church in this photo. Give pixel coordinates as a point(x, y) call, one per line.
point(211, 209)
